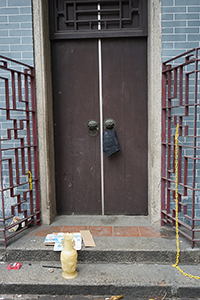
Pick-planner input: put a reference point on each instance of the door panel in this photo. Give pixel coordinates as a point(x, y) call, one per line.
point(125, 100)
point(77, 156)
point(76, 100)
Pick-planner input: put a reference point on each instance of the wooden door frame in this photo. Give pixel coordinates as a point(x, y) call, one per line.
point(45, 111)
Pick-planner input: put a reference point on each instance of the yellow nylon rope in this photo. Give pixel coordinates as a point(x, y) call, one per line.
point(29, 176)
point(176, 201)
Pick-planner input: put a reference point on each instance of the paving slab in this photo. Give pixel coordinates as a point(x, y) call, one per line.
point(87, 220)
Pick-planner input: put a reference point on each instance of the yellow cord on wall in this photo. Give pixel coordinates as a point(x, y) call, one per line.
point(29, 176)
point(176, 201)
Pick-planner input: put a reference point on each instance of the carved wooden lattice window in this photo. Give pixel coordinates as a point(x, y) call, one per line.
point(90, 18)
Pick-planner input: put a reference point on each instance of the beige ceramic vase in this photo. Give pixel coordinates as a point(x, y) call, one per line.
point(68, 257)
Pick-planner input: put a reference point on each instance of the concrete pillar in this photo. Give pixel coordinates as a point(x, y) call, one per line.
point(44, 109)
point(154, 110)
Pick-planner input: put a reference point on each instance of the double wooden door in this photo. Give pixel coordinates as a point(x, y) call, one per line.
point(88, 182)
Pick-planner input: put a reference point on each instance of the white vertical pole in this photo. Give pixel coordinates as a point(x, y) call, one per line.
point(101, 112)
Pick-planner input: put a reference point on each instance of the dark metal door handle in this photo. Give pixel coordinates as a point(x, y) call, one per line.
point(92, 127)
point(109, 124)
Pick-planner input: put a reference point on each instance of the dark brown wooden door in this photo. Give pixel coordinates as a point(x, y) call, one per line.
point(77, 158)
point(76, 100)
point(125, 100)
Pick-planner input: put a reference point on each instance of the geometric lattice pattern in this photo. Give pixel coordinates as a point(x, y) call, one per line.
point(19, 185)
point(92, 18)
point(181, 104)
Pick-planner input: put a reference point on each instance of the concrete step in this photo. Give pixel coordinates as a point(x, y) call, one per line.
point(137, 280)
point(104, 256)
point(107, 250)
point(138, 267)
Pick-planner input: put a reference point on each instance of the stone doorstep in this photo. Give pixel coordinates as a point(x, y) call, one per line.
point(153, 245)
point(29, 247)
point(107, 250)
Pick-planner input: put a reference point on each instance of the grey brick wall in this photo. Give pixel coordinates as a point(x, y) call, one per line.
point(180, 33)
point(180, 26)
point(16, 43)
point(16, 30)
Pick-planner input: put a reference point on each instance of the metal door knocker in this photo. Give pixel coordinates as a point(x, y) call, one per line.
point(109, 124)
point(92, 127)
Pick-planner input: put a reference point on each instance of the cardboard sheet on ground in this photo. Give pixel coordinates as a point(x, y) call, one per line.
point(87, 238)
